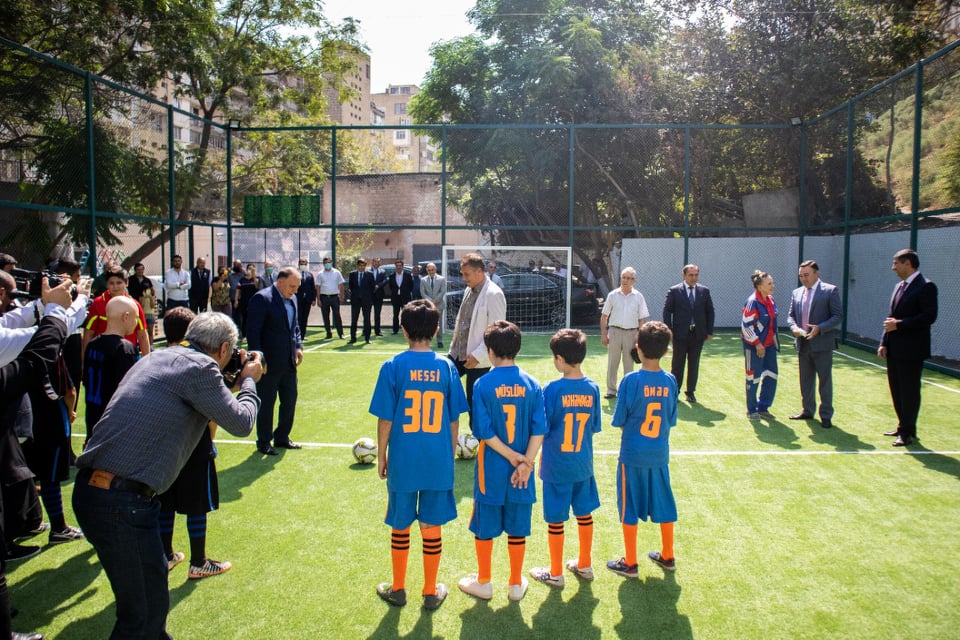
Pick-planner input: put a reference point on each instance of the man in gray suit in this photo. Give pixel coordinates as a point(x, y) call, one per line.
point(815, 314)
point(433, 287)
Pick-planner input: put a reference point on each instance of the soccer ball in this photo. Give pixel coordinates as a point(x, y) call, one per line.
point(365, 450)
point(467, 446)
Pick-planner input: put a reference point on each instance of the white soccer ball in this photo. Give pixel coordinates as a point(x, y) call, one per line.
point(365, 451)
point(467, 446)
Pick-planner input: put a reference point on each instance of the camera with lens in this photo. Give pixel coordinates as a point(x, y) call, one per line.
point(30, 283)
point(236, 364)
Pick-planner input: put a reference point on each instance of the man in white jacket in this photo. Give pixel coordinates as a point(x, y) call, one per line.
point(483, 303)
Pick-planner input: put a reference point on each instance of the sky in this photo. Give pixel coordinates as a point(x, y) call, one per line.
point(399, 33)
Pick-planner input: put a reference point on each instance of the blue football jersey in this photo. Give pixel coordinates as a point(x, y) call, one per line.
point(646, 411)
point(420, 393)
point(573, 416)
point(508, 404)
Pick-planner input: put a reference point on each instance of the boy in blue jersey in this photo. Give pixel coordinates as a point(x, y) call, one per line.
point(646, 411)
point(417, 401)
point(508, 420)
point(566, 464)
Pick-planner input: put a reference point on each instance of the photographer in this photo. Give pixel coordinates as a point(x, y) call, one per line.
point(147, 432)
point(23, 371)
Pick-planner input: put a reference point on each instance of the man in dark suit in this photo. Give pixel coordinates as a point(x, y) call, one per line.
point(273, 328)
point(306, 295)
point(400, 285)
point(199, 286)
point(814, 317)
point(688, 311)
point(362, 287)
point(906, 341)
point(380, 280)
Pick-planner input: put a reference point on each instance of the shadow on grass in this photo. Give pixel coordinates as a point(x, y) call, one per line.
point(556, 619)
point(776, 433)
point(483, 622)
point(390, 623)
point(700, 415)
point(649, 609)
point(60, 589)
point(231, 481)
point(936, 461)
point(837, 437)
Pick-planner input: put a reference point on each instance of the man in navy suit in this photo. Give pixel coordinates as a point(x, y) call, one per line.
point(380, 279)
point(362, 287)
point(200, 282)
point(688, 311)
point(906, 341)
point(401, 292)
point(306, 295)
point(273, 328)
point(814, 317)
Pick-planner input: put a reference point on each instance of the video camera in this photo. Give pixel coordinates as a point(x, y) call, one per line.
point(30, 283)
point(236, 365)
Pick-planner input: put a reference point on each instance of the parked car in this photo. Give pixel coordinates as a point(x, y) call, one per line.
point(451, 271)
point(584, 306)
point(532, 301)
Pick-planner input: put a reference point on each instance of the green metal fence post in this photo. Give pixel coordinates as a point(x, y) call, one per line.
point(571, 136)
point(917, 133)
point(847, 208)
point(443, 189)
point(229, 196)
point(686, 195)
point(171, 183)
point(91, 175)
point(333, 195)
point(802, 196)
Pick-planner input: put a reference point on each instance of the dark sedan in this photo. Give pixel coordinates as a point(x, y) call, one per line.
point(532, 301)
point(584, 307)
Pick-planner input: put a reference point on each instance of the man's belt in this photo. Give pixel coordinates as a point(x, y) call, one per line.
point(106, 480)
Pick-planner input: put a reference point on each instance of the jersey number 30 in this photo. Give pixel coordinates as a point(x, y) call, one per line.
point(425, 412)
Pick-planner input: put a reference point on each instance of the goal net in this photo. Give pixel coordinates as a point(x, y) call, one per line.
point(536, 282)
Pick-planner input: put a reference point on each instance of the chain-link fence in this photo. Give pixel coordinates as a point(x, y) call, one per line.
point(105, 173)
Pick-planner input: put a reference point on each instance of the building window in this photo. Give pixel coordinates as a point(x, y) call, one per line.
point(393, 90)
point(178, 133)
point(194, 137)
point(399, 108)
point(404, 89)
point(400, 135)
point(405, 121)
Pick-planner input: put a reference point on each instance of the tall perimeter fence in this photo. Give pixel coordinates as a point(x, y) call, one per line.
point(102, 172)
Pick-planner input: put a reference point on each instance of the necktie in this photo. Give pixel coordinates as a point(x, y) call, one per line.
point(898, 295)
point(805, 314)
point(690, 295)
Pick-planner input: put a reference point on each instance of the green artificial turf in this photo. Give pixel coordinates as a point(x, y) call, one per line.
point(786, 530)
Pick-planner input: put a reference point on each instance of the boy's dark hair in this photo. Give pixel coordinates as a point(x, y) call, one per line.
point(570, 344)
point(65, 265)
point(503, 338)
point(114, 270)
point(175, 323)
point(653, 338)
point(420, 318)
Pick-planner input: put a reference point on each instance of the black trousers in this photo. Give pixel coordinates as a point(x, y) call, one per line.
point(356, 307)
point(903, 376)
point(303, 315)
point(331, 304)
point(686, 352)
point(472, 375)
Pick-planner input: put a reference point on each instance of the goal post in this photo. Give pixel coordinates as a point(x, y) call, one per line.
point(536, 282)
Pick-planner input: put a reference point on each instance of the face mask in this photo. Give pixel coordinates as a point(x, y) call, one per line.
point(269, 270)
point(327, 266)
point(303, 267)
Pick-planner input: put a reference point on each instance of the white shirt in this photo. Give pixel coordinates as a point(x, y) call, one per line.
point(330, 282)
point(177, 282)
point(18, 326)
point(625, 310)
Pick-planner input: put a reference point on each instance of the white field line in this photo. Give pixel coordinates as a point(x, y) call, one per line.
point(879, 366)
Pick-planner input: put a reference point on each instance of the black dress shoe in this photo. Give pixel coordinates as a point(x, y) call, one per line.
point(803, 415)
point(692, 399)
point(902, 441)
point(379, 334)
point(893, 434)
point(330, 336)
point(267, 450)
point(826, 423)
point(289, 444)
point(352, 341)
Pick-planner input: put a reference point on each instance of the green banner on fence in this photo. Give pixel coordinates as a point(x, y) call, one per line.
point(281, 211)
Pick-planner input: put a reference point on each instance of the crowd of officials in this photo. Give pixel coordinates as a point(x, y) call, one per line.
point(62, 336)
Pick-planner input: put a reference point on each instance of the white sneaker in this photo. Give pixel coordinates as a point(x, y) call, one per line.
point(517, 591)
point(542, 574)
point(471, 586)
point(586, 573)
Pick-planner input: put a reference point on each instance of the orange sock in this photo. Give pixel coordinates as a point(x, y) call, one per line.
point(484, 558)
point(516, 547)
point(432, 550)
point(399, 552)
point(630, 543)
point(585, 533)
point(555, 541)
point(666, 535)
